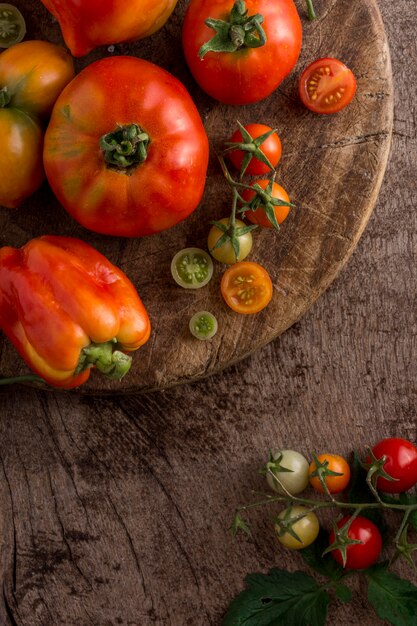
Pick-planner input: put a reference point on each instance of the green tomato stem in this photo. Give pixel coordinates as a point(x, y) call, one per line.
point(310, 11)
point(125, 147)
point(28, 378)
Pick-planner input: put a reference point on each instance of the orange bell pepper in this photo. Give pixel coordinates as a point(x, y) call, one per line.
point(87, 24)
point(67, 309)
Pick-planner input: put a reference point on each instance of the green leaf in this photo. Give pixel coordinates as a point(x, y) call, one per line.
point(393, 598)
point(343, 593)
point(280, 597)
point(325, 565)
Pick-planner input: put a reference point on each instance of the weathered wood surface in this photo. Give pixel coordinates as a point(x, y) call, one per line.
point(114, 510)
point(332, 168)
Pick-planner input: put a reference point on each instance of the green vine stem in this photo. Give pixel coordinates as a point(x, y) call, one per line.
point(28, 378)
point(310, 11)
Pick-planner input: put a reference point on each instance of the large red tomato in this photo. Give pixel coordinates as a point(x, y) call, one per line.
point(86, 24)
point(126, 152)
point(237, 67)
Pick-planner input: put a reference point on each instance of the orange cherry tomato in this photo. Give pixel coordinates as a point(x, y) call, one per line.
point(326, 86)
point(271, 148)
point(246, 287)
point(259, 216)
point(334, 463)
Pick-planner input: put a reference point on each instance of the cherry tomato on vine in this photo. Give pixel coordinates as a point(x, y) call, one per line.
point(246, 287)
point(291, 468)
point(333, 463)
point(239, 52)
point(306, 528)
point(225, 253)
point(401, 464)
point(260, 215)
point(359, 555)
point(271, 148)
point(326, 86)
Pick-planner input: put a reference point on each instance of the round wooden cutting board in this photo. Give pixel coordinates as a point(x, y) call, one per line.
point(332, 168)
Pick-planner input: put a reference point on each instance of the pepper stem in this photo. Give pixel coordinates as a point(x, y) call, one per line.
point(239, 31)
point(125, 147)
point(106, 358)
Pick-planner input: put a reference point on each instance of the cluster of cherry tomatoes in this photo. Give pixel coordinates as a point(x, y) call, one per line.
point(289, 473)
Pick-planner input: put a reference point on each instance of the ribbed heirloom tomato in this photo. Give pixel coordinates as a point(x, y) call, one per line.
point(126, 152)
point(253, 46)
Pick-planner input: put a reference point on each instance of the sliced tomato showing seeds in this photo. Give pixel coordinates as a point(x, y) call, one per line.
point(246, 287)
point(327, 86)
point(12, 25)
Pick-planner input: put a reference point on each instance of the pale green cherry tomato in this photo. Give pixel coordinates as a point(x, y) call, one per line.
point(296, 479)
point(203, 325)
point(306, 528)
point(192, 268)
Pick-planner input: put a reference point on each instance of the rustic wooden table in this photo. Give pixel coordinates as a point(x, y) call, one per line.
point(115, 510)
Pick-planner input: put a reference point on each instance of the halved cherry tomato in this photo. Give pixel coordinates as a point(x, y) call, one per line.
point(246, 287)
point(271, 148)
point(259, 216)
point(12, 25)
point(326, 86)
point(333, 463)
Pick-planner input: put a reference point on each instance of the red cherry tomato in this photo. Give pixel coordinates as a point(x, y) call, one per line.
point(359, 555)
point(326, 86)
point(271, 148)
point(401, 464)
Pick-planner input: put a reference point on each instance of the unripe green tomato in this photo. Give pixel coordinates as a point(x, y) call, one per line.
point(307, 528)
point(294, 481)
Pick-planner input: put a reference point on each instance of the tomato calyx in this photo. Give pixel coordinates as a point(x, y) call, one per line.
point(239, 31)
point(404, 549)
point(284, 525)
point(341, 539)
point(274, 466)
point(376, 470)
point(251, 148)
point(262, 198)
point(322, 471)
point(106, 358)
point(125, 147)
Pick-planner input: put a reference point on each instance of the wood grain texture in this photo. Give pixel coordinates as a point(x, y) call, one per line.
point(332, 168)
point(114, 510)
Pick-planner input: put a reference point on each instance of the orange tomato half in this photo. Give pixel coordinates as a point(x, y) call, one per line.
point(246, 287)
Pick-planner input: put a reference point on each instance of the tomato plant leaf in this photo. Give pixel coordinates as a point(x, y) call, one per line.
point(280, 597)
point(393, 598)
point(343, 592)
point(325, 565)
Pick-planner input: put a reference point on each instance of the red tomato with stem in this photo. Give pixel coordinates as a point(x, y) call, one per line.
point(126, 152)
point(359, 555)
point(271, 148)
point(326, 86)
point(259, 216)
point(242, 64)
point(401, 464)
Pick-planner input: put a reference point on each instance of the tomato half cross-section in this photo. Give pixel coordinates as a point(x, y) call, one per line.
point(327, 86)
point(126, 152)
point(246, 287)
point(239, 52)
